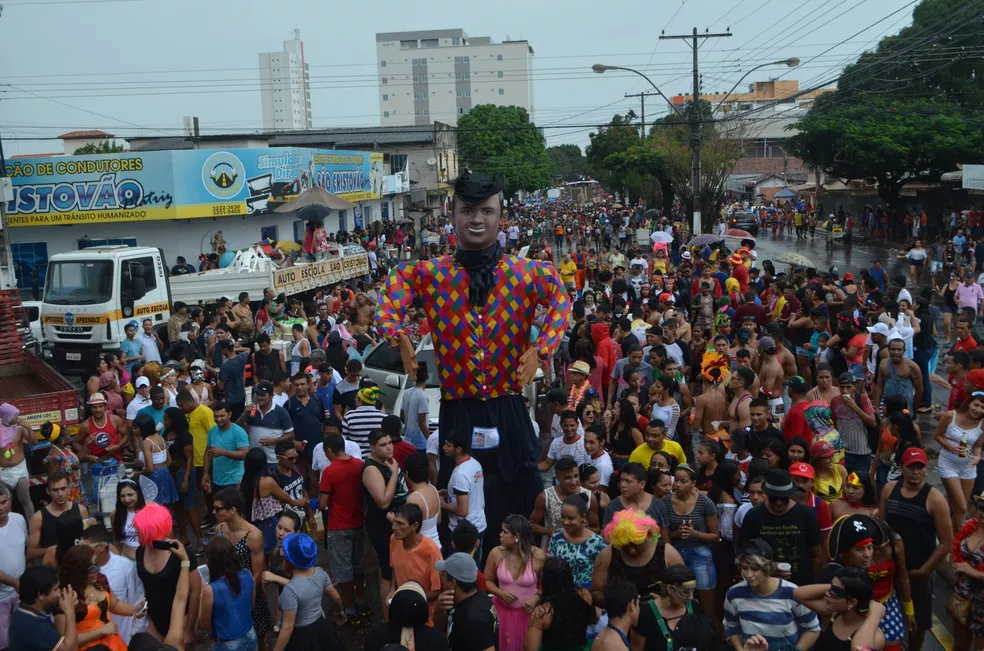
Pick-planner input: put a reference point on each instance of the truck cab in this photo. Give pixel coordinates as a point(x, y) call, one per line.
point(90, 295)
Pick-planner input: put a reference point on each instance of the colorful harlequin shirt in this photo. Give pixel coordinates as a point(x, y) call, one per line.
point(478, 350)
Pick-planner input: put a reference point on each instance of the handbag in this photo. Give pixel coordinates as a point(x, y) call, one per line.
point(958, 608)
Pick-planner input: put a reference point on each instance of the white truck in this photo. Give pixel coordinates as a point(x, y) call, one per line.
point(90, 295)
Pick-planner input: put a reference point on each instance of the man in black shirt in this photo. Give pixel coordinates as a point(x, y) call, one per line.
point(790, 528)
point(762, 428)
point(472, 624)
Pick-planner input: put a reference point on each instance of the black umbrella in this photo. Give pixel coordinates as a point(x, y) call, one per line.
point(315, 212)
point(652, 212)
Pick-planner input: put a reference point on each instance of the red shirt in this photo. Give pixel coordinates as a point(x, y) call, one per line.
point(740, 273)
point(957, 393)
point(342, 481)
point(822, 512)
point(401, 451)
point(966, 344)
point(715, 286)
point(794, 423)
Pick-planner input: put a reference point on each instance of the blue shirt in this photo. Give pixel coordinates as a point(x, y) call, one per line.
point(307, 420)
point(271, 425)
point(226, 471)
point(326, 395)
point(32, 630)
point(233, 374)
point(232, 613)
point(880, 276)
point(132, 349)
point(156, 414)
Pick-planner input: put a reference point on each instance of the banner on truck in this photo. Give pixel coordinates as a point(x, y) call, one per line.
point(155, 186)
point(301, 278)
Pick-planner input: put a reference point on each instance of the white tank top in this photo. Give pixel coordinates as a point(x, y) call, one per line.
point(158, 456)
point(130, 532)
point(429, 526)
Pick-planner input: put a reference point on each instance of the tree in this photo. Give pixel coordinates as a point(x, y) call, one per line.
point(618, 136)
point(721, 147)
point(891, 141)
point(569, 163)
point(497, 139)
point(103, 147)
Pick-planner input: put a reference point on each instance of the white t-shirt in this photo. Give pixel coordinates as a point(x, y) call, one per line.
point(121, 573)
point(639, 261)
point(281, 400)
point(138, 403)
point(468, 479)
point(743, 510)
point(13, 540)
point(513, 232)
point(434, 447)
point(319, 460)
point(148, 348)
point(604, 466)
point(558, 449)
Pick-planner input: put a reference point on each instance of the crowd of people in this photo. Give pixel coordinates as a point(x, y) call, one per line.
point(732, 457)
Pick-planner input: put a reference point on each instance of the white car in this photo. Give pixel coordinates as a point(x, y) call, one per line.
point(385, 367)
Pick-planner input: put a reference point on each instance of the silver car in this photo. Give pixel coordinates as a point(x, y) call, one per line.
point(385, 367)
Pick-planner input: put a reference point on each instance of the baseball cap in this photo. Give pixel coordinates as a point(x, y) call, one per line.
point(767, 344)
point(667, 297)
point(879, 329)
point(822, 448)
point(914, 455)
point(848, 276)
point(556, 395)
point(263, 389)
point(460, 567)
point(801, 469)
point(797, 384)
point(848, 378)
point(141, 382)
point(131, 324)
point(976, 377)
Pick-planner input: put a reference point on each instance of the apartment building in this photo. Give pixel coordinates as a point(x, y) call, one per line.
point(285, 87)
point(439, 75)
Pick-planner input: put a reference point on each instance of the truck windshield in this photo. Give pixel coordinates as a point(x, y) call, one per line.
point(81, 282)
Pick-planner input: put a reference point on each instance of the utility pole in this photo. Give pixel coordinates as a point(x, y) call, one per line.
point(695, 117)
point(642, 97)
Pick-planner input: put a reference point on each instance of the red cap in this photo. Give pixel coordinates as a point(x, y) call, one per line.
point(801, 469)
point(914, 455)
point(822, 448)
point(976, 377)
point(848, 276)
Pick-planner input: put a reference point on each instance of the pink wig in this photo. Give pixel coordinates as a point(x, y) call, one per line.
point(152, 522)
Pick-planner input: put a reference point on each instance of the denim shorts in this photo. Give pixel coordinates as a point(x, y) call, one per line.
point(247, 642)
point(701, 563)
point(187, 499)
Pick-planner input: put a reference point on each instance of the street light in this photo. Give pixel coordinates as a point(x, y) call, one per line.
point(600, 68)
point(791, 62)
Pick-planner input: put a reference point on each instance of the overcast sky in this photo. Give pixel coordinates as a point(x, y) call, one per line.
point(129, 66)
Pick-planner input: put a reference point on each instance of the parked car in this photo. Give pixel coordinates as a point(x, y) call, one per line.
point(746, 221)
point(385, 367)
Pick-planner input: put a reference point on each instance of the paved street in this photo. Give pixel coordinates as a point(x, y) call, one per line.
point(853, 259)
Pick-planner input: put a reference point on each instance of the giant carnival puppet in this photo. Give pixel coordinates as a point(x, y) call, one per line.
point(480, 305)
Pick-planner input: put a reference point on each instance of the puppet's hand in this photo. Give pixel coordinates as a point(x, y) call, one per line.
point(527, 366)
point(409, 357)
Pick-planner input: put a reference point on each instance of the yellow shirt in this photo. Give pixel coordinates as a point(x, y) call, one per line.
point(781, 303)
point(567, 271)
point(200, 421)
point(644, 454)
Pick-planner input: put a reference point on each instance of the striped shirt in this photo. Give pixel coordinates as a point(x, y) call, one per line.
point(777, 617)
point(359, 423)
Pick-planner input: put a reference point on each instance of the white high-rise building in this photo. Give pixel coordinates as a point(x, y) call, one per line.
point(439, 75)
point(285, 87)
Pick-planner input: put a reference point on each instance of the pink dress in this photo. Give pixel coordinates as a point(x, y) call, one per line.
point(513, 618)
